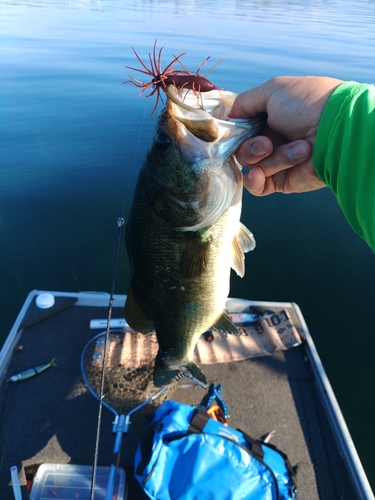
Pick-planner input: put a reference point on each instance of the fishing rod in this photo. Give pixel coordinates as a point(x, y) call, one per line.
point(121, 423)
point(120, 223)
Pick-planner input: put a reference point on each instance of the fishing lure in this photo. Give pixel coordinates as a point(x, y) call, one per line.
point(169, 76)
point(31, 372)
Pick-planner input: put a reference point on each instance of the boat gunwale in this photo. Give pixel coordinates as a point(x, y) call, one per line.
point(340, 429)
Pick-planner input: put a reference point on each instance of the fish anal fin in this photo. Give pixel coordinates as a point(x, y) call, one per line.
point(134, 315)
point(167, 372)
point(225, 325)
point(242, 242)
point(195, 257)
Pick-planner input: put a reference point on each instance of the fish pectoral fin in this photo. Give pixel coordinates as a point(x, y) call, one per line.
point(237, 258)
point(195, 257)
point(167, 371)
point(246, 238)
point(225, 325)
point(134, 315)
point(243, 242)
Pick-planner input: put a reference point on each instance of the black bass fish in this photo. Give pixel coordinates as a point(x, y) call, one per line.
point(184, 232)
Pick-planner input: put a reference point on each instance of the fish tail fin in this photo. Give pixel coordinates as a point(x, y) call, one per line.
point(166, 373)
point(52, 362)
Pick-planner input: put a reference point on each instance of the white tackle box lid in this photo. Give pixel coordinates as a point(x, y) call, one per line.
point(70, 482)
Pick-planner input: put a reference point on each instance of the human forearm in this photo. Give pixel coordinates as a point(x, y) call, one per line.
point(344, 154)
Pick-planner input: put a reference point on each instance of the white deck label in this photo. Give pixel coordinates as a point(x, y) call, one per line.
point(96, 324)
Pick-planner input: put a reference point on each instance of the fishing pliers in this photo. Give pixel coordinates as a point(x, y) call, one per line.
point(214, 393)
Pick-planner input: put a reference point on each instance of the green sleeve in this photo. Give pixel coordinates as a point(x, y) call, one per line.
point(344, 154)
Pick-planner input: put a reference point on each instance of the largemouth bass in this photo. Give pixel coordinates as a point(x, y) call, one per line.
point(184, 233)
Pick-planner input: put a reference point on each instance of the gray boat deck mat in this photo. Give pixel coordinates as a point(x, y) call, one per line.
point(52, 417)
point(35, 314)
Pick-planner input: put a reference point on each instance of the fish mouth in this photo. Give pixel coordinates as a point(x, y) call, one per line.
point(205, 115)
point(206, 140)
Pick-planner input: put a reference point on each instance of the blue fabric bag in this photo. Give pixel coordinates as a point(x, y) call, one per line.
point(189, 456)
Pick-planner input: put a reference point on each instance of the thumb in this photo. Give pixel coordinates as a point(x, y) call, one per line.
point(249, 103)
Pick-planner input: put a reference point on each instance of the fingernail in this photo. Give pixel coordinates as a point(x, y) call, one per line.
point(258, 148)
point(297, 152)
point(250, 175)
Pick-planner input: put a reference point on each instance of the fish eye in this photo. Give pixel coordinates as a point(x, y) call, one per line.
point(162, 141)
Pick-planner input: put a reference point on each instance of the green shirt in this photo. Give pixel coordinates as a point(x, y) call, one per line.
point(344, 154)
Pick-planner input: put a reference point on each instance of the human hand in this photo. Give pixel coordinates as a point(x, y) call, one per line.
point(280, 159)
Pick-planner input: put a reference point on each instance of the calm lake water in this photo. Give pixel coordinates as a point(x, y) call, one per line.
point(73, 139)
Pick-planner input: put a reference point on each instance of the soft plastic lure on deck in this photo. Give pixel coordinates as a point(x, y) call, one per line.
point(31, 372)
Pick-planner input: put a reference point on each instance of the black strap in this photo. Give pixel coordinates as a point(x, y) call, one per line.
point(199, 421)
point(254, 445)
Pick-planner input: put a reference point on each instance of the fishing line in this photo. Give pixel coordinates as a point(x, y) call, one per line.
point(120, 223)
point(132, 168)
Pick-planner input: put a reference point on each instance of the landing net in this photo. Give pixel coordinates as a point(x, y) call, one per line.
point(129, 368)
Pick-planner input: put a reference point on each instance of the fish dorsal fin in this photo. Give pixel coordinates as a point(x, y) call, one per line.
point(242, 242)
point(225, 325)
point(134, 315)
point(195, 257)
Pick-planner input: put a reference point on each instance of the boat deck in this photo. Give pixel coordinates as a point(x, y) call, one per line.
point(52, 417)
